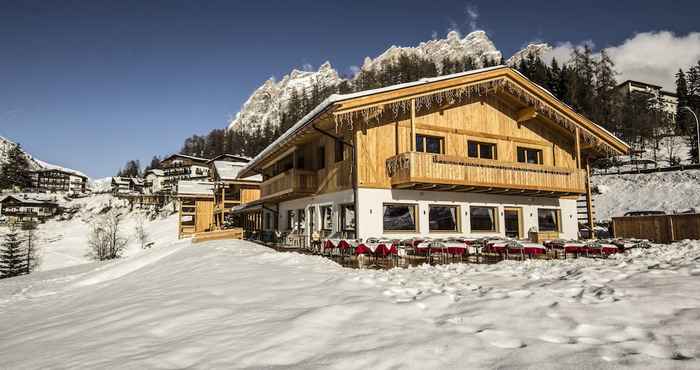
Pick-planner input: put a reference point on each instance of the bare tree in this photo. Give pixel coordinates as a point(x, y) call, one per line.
point(140, 231)
point(32, 259)
point(105, 240)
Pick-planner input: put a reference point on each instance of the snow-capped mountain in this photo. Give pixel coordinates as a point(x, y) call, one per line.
point(271, 99)
point(476, 45)
point(267, 101)
point(34, 164)
point(538, 50)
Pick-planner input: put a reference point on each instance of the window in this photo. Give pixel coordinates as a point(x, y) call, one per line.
point(430, 144)
point(442, 218)
point(529, 155)
point(399, 217)
point(339, 152)
point(321, 157)
point(312, 219)
point(347, 217)
point(548, 219)
point(481, 150)
point(483, 218)
point(290, 220)
point(326, 218)
point(301, 220)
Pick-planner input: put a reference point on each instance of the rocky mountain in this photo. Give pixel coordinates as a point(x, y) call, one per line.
point(271, 99)
point(266, 103)
point(475, 45)
point(34, 164)
point(538, 50)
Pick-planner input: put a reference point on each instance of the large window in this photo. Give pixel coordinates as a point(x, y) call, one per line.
point(483, 219)
point(339, 152)
point(529, 155)
point(430, 144)
point(327, 218)
point(443, 218)
point(481, 150)
point(290, 220)
point(347, 217)
point(400, 217)
point(548, 219)
point(321, 160)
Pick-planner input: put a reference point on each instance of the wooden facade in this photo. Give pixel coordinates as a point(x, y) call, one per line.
point(490, 131)
point(658, 228)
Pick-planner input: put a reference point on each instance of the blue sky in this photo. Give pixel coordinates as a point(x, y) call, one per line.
point(91, 84)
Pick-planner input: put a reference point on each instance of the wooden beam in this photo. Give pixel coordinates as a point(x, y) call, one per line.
point(413, 125)
point(578, 148)
point(526, 114)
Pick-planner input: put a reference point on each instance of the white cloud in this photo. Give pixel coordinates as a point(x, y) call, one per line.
point(307, 67)
point(655, 57)
point(354, 70)
point(562, 51)
point(472, 16)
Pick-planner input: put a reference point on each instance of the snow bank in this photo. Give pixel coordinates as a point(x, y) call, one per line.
point(233, 304)
point(662, 191)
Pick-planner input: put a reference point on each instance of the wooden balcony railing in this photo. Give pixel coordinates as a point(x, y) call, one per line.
point(292, 183)
point(461, 173)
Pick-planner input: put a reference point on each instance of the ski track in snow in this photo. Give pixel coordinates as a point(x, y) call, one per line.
point(234, 304)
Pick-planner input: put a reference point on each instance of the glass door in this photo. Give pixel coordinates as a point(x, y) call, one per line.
point(512, 221)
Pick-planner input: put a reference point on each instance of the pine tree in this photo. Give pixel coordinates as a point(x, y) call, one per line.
point(15, 173)
point(12, 258)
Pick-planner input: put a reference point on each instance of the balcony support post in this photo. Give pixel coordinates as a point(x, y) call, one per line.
point(578, 148)
point(413, 125)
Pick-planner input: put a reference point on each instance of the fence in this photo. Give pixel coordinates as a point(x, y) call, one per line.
point(660, 229)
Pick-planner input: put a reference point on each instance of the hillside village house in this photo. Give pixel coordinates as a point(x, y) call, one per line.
point(669, 99)
point(179, 167)
point(127, 186)
point(153, 181)
point(27, 207)
point(479, 153)
point(206, 205)
point(59, 180)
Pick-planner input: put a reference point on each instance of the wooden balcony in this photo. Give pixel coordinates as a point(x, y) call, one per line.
point(428, 171)
point(291, 184)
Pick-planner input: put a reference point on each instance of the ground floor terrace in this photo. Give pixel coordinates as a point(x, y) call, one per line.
point(401, 214)
point(235, 304)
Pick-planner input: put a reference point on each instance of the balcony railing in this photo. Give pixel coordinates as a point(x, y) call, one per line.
point(461, 173)
point(292, 183)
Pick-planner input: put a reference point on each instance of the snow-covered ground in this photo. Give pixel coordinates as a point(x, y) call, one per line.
point(233, 304)
point(63, 243)
point(661, 191)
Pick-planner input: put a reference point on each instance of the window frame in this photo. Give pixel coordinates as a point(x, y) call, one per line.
point(321, 212)
point(557, 219)
point(416, 222)
point(343, 216)
point(496, 220)
point(339, 150)
point(525, 149)
point(424, 148)
point(479, 143)
point(458, 223)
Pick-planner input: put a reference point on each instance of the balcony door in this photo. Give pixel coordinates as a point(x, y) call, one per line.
point(513, 221)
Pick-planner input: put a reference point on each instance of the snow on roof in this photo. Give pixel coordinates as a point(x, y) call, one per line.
point(195, 188)
point(185, 156)
point(335, 98)
point(31, 198)
point(49, 166)
point(236, 157)
point(156, 172)
point(229, 171)
point(120, 180)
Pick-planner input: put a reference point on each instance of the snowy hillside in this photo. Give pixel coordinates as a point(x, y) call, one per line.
point(661, 191)
point(34, 163)
point(233, 304)
point(269, 100)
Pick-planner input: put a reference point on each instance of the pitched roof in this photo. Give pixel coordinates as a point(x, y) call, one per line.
point(193, 158)
point(231, 157)
point(228, 171)
point(30, 198)
point(155, 171)
point(336, 99)
point(195, 188)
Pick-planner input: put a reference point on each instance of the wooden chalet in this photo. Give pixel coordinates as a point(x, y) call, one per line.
point(178, 167)
point(196, 211)
point(27, 207)
point(229, 190)
point(479, 153)
point(59, 180)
